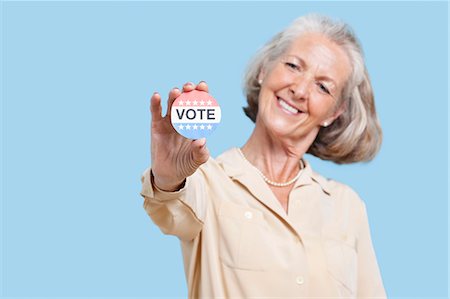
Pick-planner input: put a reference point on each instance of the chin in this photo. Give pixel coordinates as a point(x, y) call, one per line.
point(281, 129)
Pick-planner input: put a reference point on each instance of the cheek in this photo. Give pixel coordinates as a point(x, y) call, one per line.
point(277, 79)
point(321, 109)
point(264, 99)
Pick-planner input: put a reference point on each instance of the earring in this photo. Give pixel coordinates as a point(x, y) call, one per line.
point(260, 81)
point(325, 124)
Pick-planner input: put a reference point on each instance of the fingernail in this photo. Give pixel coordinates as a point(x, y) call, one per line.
point(202, 82)
point(189, 83)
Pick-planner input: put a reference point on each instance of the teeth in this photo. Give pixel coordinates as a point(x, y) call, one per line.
point(287, 106)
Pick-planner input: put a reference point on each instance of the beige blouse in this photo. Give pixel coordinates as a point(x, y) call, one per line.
point(238, 241)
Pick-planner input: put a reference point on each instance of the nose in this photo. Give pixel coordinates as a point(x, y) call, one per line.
point(301, 87)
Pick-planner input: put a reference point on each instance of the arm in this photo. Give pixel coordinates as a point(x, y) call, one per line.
point(172, 190)
point(180, 213)
point(370, 284)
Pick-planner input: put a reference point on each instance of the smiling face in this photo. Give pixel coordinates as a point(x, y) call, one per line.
point(301, 90)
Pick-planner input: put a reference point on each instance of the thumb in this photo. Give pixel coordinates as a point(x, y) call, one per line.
point(200, 152)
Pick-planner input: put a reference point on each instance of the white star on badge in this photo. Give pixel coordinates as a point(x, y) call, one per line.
point(209, 102)
point(181, 127)
point(202, 103)
point(194, 103)
point(202, 127)
point(195, 127)
point(181, 103)
point(209, 127)
point(188, 127)
point(188, 103)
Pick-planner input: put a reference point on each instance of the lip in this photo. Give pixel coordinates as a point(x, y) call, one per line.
point(299, 111)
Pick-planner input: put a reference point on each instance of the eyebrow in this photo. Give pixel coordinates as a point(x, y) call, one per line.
point(323, 77)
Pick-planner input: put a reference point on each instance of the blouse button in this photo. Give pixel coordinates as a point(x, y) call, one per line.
point(300, 280)
point(248, 215)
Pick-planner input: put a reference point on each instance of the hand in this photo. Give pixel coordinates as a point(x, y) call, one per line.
point(174, 157)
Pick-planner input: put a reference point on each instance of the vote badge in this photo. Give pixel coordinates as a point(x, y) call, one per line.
point(195, 114)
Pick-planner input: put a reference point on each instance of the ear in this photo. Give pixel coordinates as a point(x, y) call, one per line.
point(261, 75)
point(337, 112)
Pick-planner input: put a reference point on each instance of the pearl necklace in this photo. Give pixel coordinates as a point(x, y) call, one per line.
point(270, 182)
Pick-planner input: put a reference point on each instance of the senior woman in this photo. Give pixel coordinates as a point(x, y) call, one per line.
point(257, 221)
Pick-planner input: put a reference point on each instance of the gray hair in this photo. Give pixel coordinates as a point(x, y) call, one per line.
point(356, 134)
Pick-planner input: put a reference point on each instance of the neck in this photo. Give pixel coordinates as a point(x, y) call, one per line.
point(277, 158)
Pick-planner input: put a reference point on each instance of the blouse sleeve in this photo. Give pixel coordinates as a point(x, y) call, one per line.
point(180, 213)
point(370, 284)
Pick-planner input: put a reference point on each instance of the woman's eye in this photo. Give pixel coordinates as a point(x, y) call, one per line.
point(292, 66)
point(323, 88)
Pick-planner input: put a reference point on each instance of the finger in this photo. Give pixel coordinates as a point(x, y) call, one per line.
point(173, 94)
point(202, 86)
point(200, 151)
point(188, 87)
point(155, 106)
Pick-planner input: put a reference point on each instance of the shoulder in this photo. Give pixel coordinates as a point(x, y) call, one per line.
point(346, 201)
point(338, 191)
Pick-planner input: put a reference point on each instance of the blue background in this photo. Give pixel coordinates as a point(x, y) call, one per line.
point(76, 83)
